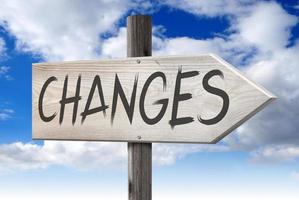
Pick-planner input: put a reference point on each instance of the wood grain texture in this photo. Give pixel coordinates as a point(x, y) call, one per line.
point(139, 36)
point(139, 43)
point(246, 98)
point(140, 171)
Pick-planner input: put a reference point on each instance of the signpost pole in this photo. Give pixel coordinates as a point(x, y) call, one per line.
point(139, 43)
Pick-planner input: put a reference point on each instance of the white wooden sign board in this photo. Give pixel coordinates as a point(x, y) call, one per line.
point(192, 99)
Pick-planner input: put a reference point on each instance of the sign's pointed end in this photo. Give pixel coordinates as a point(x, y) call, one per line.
point(270, 99)
point(270, 95)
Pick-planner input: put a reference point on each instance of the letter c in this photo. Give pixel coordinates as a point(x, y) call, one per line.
point(40, 100)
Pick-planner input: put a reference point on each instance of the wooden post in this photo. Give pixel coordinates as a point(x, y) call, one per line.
point(139, 43)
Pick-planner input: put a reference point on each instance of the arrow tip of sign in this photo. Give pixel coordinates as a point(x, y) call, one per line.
point(263, 105)
point(270, 95)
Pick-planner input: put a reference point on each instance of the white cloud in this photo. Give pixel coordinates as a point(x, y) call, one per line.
point(267, 26)
point(5, 114)
point(61, 29)
point(189, 45)
point(275, 153)
point(82, 155)
point(211, 8)
point(167, 154)
point(86, 155)
point(116, 46)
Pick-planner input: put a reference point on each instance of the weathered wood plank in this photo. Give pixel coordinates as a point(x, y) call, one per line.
point(246, 98)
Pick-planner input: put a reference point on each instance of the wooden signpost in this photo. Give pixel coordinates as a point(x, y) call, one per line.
point(190, 99)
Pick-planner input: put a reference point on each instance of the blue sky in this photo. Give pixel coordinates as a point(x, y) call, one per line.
point(259, 160)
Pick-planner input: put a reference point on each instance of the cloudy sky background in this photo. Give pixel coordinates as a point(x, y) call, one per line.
point(259, 160)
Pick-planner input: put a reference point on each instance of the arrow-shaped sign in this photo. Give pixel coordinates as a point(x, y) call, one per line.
point(195, 99)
